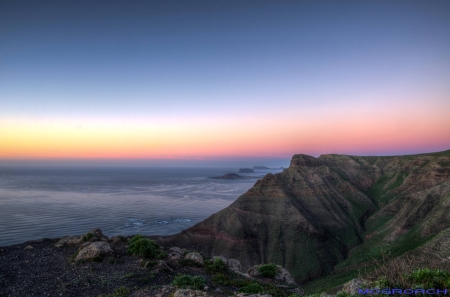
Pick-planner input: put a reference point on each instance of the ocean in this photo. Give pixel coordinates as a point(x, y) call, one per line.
point(49, 202)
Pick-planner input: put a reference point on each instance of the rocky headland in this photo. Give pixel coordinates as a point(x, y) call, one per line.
point(332, 214)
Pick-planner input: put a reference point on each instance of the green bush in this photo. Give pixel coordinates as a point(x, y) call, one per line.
point(218, 265)
point(427, 278)
point(253, 288)
point(195, 282)
point(144, 247)
point(268, 270)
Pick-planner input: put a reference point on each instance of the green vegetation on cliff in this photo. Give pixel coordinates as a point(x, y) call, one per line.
point(330, 216)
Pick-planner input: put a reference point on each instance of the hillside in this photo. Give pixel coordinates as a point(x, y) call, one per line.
point(327, 215)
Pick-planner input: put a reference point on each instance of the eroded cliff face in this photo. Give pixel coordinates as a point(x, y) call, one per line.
point(318, 211)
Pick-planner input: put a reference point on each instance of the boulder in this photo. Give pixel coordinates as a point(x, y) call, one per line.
point(163, 265)
point(117, 239)
point(189, 293)
point(69, 240)
point(94, 235)
point(196, 257)
point(175, 253)
point(28, 247)
point(90, 250)
point(234, 265)
point(224, 260)
point(282, 274)
point(352, 286)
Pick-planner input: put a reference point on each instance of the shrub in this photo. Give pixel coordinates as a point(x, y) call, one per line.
point(195, 282)
point(253, 288)
point(268, 270)
point(144, 247)
point(217, 265)
point(427, 278)
point(86, 237)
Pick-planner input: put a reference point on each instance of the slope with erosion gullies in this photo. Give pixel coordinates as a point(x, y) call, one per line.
point(324, 215)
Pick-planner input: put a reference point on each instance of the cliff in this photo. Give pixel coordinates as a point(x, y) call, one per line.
point(331, 210)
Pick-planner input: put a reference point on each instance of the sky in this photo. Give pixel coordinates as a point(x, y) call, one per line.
point(221, 82)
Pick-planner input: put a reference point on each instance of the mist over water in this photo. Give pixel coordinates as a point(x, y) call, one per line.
point(53, 202)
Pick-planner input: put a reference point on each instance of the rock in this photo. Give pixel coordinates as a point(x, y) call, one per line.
point(68, 240)
point(91, 250)
point(2, 250)
point(164, 265)
point(196, 257)
point(142, 293)
point(352, 286)
point(234, 265)
point(28, 247)
point(95, 235)
point(224, 260)
point(189, 293)
point(282, 274)
point(175, 253)
point(117, 239)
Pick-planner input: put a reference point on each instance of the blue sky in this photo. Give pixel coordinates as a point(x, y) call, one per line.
point(222, 61)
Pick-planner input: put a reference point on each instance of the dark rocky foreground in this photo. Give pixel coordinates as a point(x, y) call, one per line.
point(49, 267)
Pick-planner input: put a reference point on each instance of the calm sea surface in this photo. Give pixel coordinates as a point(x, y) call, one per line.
point(53, 202)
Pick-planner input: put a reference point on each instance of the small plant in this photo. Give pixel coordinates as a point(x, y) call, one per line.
point(253, 288)
point(111, 261)
point(119, 292)
point(217, 265)
point(183, 280)
point(128, 275)
point(268, 270)
point(87, 237)
point(144, 247)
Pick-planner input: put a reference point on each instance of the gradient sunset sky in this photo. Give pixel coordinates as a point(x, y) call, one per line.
point(217, 82)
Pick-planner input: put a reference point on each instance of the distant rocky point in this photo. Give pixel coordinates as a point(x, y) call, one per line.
point(233, 176)
point(246, 170)
point(265, 168)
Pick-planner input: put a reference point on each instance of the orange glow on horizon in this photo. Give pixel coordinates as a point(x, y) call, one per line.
point(207, 138)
